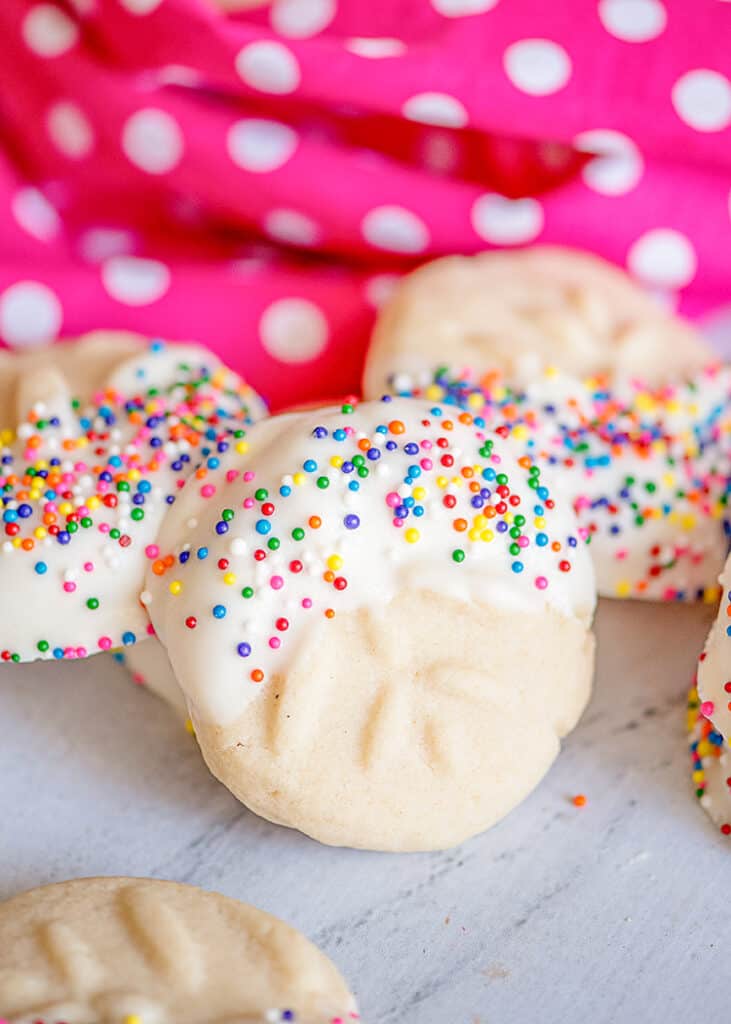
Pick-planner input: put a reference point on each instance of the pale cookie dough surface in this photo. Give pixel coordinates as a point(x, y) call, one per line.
point(519, 311)
point(96, 439)
point(115, 950)
point(710, 766)
point(150, 667)
point(380, 620)
point(714, 667)
point(646, 469)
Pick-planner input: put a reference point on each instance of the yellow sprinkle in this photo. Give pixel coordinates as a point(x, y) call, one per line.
point(476, 400)
point(334, 562)
point(711, 594)
point(623, 588)
point(419, 493)
point(551, 371)
point(688, 521)
point(412, 535)
point(487, 536)
point(229, 578)
point(458, 481)
point(668, 479)
point(434, 392)
point(175, 587)
point(480, 521)
point(242, 447)
point(442, 482)
point(520, 431)
point(7, 436)
point(539, 522)
point(132, 1018)
point(17, 541)
point(65, 508)
point(134, 474)
point(189, 727)
point(336, 461)
point(299, 478)
point(474, 534)
point(40, 533)
point(645, 402)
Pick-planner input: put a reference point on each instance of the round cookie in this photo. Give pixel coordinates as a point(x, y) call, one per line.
point(138, 951)
point(518, 311)
point(366, 612)
point(646, 469)
point(150, 667)
point(96, 439)
point(711, 765)
point(714, 666)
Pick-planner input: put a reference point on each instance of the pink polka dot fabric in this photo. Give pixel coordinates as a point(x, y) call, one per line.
point(258, 181)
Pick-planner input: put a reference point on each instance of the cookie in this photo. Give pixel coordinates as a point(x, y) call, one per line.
point(714, 666)
point(138, 951)
point(96, 439)
point(646, 469)
point(520, 311)
point(710, 766)
point(380, 619)
point(150, 667)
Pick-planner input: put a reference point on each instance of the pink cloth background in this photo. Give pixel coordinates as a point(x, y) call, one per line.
point(256, 181)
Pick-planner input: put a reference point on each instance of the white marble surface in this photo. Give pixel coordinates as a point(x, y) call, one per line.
point(610, 913)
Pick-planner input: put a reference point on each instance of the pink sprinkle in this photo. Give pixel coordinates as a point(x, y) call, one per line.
point(621, 554)
point(104, 527)
point(393, 499)
point(104, 643)
point(150, 629)
point(306, 602)
point(231, 475)
point(81, 652)
point(152, 550)
point(541, 582)
point(69, 587)
point(88, 567)
point(399, 522)
point(496, 459)
point(426, 445)
point(208, 490)
point(707, 708)
point(247, 503)
point(249, 475)
point(276, 582)
point(523, 542)
point(275, 643)
point(427, 464)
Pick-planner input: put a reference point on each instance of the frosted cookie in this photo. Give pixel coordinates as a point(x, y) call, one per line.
point(137, 951)
point(380, 620)
point(96, 439)
point(518, 311)
point(149, 665)
point(646, 469)
point(710, 765)
point(714, 666)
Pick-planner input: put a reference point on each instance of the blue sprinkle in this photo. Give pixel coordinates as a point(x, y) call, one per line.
point(128, 639)
point(244, 650)
point(219, 611)
point(263, 526)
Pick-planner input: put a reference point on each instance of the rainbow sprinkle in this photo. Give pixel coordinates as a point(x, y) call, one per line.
point(707, 749)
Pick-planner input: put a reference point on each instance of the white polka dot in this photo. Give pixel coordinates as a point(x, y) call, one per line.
point(537, 66)
point(35, 214)
point(435, 108)
point(292, 227)
point(702, 99)
point(440, 151)
point(176, 74)
point(618, 166)
point(375, 47)
point(503, 221)
point(268, 66)
point(152, 140)
point(30, 314)
point(634, 21)
point(260, 146)
point(460, 8)
point(98, 244)
point(69, 129)
point(293, 330)
point(49, 32)
point(134, 281)
point(299, 19)
point(395, 229)
point(380, 288)
point(663, 258)
point(140, 6)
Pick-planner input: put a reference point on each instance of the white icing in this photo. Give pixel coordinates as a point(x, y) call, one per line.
point(375, 557)
point(714, 669)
